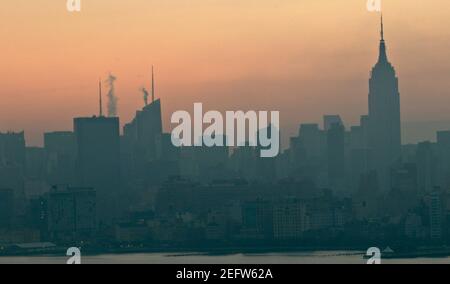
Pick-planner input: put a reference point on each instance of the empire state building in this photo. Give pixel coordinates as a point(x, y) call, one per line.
point(384, 116)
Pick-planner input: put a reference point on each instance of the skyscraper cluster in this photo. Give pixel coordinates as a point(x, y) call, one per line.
point(98, 185)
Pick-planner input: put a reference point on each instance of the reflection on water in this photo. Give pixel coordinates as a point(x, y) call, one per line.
point(327, 257)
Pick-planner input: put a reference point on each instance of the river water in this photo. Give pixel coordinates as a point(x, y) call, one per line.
point(323, 257)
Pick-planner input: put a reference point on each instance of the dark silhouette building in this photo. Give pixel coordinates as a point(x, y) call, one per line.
point(71, 213)
point(336, 155)
point(98, 161)
point(13, 166)
point(60, 150)
point(384, 115)
point(443, 149)
point(426, 167)
point(329, 120)
point(12, 149)
point(6, 208)
point(140, 138)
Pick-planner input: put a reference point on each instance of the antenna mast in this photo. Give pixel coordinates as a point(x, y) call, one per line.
point(100, 97)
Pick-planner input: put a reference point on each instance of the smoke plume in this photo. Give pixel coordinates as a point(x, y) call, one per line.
point(112, 99)
point(144, 90)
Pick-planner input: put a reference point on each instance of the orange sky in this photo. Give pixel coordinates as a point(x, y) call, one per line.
point(304, 58)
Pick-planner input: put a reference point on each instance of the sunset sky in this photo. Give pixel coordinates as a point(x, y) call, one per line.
point(304, 58)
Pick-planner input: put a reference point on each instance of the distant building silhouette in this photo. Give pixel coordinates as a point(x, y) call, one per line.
point(61, 150)
point(336, 163)
point(384, 115)
point(13, 166)
point(98, 161)
point(140, 138)
point(289, 219)
point(35, 163)
point(437, 213)
point(71, 213)
point(12, 149)
point(443, 148)
point(426, 167)
point(329, 120)
point(335, 186)
point(6, 208)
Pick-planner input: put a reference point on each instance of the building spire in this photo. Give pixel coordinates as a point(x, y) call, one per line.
point(382, 56)
point(100, 97)
point(153, 85)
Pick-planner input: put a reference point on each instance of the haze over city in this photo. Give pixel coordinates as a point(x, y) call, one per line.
point(140, 130)
point(304, 58)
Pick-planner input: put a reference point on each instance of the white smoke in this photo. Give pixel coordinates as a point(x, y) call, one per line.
point(146, 94)
point(112, 99)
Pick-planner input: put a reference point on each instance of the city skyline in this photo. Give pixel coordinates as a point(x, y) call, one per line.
point(37, 99)
point(207, 182)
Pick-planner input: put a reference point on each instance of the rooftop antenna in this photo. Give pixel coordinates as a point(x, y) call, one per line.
point(153, 85)
point(100, 97)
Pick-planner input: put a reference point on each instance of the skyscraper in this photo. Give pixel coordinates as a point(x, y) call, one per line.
point(336, 155)
point(384, 115)
point(98, 160)
point(140, 136)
